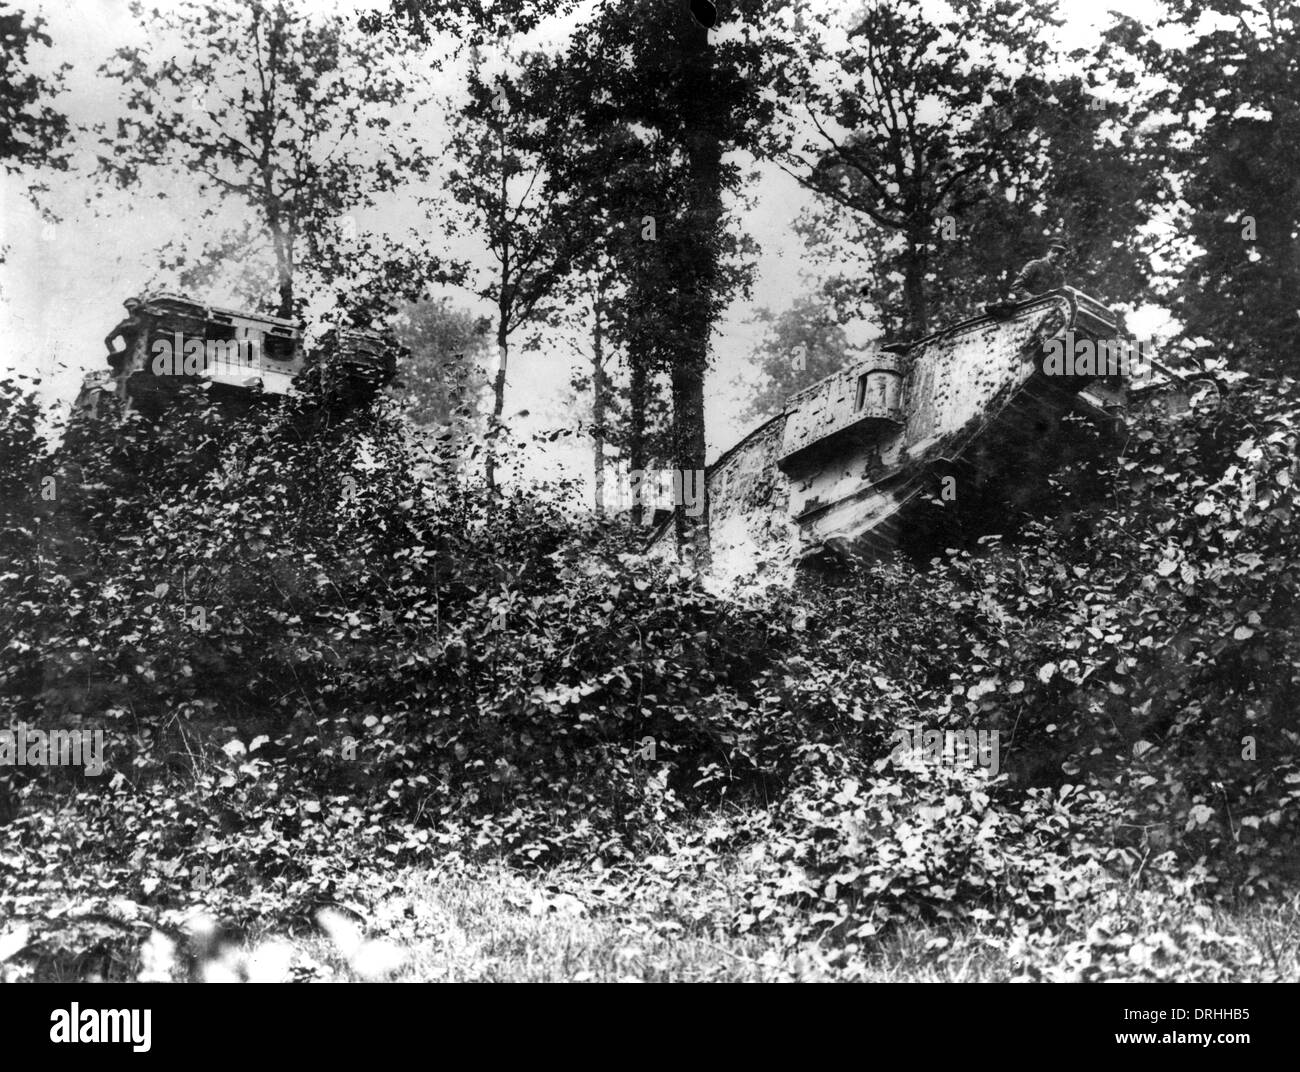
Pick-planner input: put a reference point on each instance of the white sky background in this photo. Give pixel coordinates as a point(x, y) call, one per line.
point(61, 289)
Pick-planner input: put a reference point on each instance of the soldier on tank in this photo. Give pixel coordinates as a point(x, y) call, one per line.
point(1040, 275)
point(128, 330)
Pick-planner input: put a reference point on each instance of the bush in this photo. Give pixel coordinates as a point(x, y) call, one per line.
point(306, 656)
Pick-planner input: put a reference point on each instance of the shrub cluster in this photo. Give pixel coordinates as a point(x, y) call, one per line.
point(308, 657)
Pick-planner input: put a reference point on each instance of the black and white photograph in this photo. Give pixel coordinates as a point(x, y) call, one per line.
point(771, 491)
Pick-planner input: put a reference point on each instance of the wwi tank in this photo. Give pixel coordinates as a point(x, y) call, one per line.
point(169, 339)
point(842, 469)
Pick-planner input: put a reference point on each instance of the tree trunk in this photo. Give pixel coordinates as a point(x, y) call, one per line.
point(498, 401)
point(281, 244)
point(638, 397)
point(691, 509)
point(918, 312)
point(504, 302)
point(598, 401)
point(285, 309)
point(697, 285)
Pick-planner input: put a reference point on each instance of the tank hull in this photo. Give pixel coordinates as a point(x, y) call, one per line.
point(176, 340)
point(842, 468)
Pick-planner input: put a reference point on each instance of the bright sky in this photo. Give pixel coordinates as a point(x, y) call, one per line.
point(62, 286)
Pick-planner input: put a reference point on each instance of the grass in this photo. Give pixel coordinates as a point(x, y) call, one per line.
point(661, 918)
point(488, 923)
point(491, 924)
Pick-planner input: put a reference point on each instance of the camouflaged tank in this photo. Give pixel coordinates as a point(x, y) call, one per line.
point(170, 339)
point(844, 467)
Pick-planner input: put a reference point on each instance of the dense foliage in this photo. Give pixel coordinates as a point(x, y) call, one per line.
point(312, 667)
point(32, 134)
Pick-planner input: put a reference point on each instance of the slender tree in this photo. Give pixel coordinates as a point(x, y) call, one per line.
point(1223, 122)
point(293, 119)
point(525, 220)
point(592, 310)
point(650, 88)
point(918, 117)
